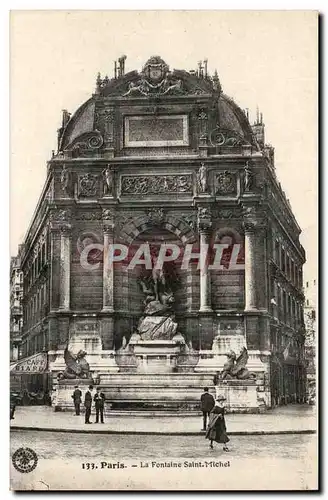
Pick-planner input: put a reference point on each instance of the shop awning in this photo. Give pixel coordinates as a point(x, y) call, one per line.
point(33, 364)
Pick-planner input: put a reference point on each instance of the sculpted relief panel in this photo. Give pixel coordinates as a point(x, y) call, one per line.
point(156, 184)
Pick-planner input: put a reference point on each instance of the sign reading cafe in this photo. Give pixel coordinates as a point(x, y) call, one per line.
point(34, 364)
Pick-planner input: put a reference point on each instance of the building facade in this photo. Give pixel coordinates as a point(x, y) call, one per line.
point(310, 320)
point(165, 156)
point(16, 307)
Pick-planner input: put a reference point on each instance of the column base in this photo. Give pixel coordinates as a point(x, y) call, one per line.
point(107, 309)
point(206, 309)
point(251, 309)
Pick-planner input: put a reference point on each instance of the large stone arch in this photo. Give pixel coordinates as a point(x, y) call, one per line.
point(131, 230)
point(126, 279)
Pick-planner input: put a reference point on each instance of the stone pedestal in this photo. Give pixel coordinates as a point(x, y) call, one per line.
point(241, 396)
point(63, 390)
point(156, 356)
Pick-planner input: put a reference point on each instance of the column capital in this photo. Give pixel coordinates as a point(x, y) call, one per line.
point(254, 225)
point(108, 220)
point(108, 228)
point(204, 219)
point(65, 229)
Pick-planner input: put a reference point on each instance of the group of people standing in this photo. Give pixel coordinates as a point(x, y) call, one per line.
point(213, 410)
point(99, 401)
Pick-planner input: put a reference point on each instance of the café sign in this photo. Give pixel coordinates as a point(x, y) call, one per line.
point(33, 364)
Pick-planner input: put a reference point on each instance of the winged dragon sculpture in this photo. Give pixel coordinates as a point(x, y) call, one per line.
point(235, 368)
point(76, 365)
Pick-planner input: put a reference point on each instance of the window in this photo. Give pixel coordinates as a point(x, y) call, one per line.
point(283, 260)
point(277, 253)
point(307, 302)
point(307, 284)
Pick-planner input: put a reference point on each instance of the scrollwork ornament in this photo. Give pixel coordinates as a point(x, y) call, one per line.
point(95, 142)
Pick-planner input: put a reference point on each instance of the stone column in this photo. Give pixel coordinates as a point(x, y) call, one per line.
point(108, 272)
point(250, 267)
point(108, 268)
point(204, 227)
point(107, 322)
point(205, 279)
point(65, 267)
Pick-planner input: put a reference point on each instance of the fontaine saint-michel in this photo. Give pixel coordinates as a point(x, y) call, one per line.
point(162, 158)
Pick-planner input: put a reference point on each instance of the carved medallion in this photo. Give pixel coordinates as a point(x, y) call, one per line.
point(155, 79)
point(226, 183)
point(87, 185)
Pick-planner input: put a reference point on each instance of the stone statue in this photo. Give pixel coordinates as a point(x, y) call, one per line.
point(235, 368)
point(108, 181)
point(64, 178)
point(158, 321)
point(76, 366)
point(202, 178)
point(247, 178)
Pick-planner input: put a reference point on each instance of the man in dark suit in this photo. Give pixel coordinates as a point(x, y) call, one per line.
point(99, 400)
point(207, 403)
point(77, 397)
point(88, 404)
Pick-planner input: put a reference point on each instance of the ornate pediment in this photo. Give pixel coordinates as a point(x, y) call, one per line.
point(156, 79)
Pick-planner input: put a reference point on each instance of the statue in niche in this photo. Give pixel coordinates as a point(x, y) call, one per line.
point(108, 181)
point(158, 321)
point(247, 177)
point(76, 366)
point(64, 179)
point(235, 368)
point(202, 178)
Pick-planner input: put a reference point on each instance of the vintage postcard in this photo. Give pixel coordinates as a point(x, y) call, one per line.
point(163, 274)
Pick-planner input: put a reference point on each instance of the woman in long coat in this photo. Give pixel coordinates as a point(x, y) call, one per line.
point(216, 430)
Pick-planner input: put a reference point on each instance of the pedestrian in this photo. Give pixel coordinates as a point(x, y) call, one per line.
point(207, 403)
point(216, 430)
point(99, 400)
point(13, 402)
point(77, 398)
point(88, 404)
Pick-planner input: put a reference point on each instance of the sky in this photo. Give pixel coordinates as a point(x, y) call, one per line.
point(264, 58)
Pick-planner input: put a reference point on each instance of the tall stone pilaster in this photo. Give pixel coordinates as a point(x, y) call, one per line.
point(250, 267)
point(107, 325)
point(65, 266)
point(204, 227)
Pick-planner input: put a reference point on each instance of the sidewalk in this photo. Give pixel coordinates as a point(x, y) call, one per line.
point(291, 419)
